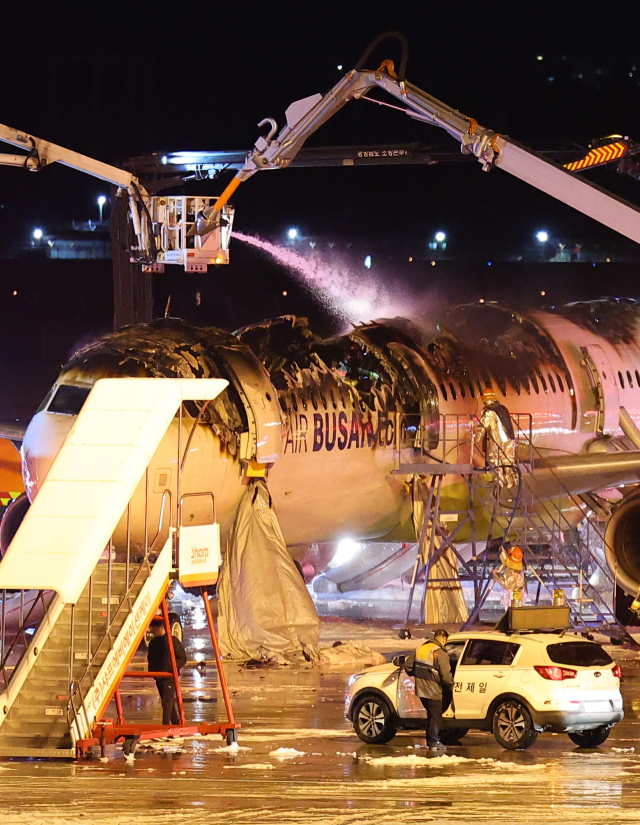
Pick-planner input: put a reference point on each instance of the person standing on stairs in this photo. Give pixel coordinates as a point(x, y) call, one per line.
point(159, 661)
point(495, 433)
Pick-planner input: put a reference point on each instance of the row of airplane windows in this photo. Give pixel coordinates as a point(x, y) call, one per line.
point(553, 381)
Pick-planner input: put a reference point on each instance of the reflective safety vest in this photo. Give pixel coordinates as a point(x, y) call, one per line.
point(425, 668)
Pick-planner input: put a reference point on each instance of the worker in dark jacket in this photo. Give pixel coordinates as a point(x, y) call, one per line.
point(432, 670)
point(159, 661)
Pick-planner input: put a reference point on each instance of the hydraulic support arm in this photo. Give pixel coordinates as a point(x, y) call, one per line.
point(41, 153)
point(304, 117)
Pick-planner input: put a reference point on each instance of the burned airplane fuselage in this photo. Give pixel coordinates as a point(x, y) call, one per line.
point(325, 418)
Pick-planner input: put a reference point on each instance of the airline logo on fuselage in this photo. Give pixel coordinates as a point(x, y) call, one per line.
point(336, 430)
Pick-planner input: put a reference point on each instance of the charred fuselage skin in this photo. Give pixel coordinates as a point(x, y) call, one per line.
point(345, 401)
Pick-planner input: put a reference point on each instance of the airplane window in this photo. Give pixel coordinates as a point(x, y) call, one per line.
point(471, 389)
point(283, 403)
point(516, 385)
point(47, 398)
point(542, 381)
point(443, 390)
point(323, 399)
point(313, 401)
point(560, 384)
point(502, 385)
point(534, 384)
point(637, 379)
point(526, 385)
point(480, 387)
point(630, 380)
point(68, 400)
point(333, 400)
point(294, 401)
point(620, 379)
point(453, 391)
point(552, 383)
point(303, 400)
point(462, 390)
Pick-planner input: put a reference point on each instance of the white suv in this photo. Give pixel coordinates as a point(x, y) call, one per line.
point(516, 684)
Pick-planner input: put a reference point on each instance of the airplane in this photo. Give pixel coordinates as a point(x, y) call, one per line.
point(320, 420)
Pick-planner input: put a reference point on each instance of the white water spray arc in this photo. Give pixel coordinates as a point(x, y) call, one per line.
point(345, 290)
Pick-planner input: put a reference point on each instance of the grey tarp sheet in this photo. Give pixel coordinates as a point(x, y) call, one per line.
point(445, 602)
point(264, 606)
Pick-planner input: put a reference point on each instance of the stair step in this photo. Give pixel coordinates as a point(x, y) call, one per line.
point(44, 728)
point(38, 712)
point(18, 747)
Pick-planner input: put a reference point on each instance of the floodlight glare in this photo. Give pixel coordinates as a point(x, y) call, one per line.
point(292, 234)
point(542, 236)
point(367, 262)
point(345, 551)
point(102, 200)
point(37, 234)
point(440, 237)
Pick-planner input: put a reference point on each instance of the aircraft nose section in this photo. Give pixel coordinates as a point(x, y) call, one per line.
point(43, 439)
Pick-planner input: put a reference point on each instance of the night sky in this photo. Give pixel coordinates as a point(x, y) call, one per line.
point(116, 80)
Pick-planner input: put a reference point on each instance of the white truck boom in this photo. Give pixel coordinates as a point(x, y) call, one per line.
point(276, 150)
point(196, 231)
point(163, 226)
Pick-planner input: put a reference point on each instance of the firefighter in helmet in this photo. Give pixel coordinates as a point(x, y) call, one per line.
point(511, 575)
point(495, 432)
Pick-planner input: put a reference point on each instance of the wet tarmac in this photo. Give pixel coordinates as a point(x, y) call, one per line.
point(328, 775)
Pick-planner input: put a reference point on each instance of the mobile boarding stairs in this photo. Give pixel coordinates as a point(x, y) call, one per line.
point(82, 610)
point(562, 561)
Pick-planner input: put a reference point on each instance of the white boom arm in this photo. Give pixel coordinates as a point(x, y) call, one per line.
point(305, 116)
point(42, 153)
point(164, 226)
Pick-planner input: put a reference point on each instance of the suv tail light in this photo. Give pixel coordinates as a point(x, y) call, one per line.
point(554, 673)
point(617, 671)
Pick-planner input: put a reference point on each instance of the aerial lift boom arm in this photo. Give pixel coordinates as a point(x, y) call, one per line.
point(161, 225)
point(42, 153)
point(304, 117)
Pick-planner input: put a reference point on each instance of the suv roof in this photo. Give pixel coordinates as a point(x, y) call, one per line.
point(520, 637)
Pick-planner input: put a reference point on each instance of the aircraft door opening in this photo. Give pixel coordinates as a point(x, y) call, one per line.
point(607, 399)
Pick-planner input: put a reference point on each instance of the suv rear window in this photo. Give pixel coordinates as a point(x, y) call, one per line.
point(580, 654)
point(489, 652)
point(68, 400)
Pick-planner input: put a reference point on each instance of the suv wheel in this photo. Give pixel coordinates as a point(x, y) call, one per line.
point(372, 720)
point(513, 726)
point(451, 736)
point(590, 738)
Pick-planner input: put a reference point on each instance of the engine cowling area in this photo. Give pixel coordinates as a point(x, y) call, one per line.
point(622, 544)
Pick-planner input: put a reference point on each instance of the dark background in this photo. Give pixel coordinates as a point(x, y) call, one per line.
point(117, 80)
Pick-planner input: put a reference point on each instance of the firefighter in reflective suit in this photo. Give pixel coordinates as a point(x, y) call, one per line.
point(496, 429)
point(432, 670)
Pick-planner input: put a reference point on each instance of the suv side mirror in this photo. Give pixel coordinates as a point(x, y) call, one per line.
point(398, 661)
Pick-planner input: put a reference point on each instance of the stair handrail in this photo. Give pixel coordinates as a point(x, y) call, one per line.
point(560, 524)
point(27, 639)
point(581, 505)
point(145, 561)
